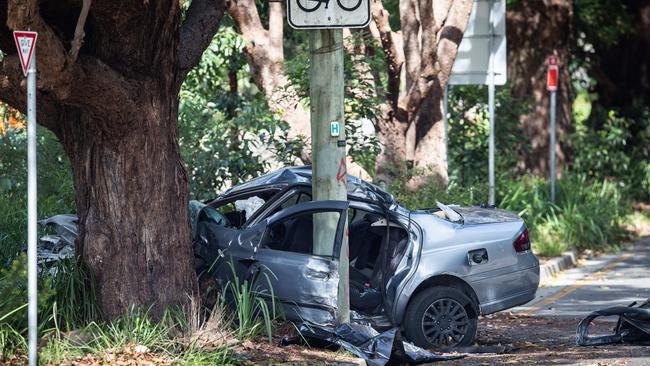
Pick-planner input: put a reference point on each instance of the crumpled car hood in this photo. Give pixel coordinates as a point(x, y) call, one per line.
point(356, 187)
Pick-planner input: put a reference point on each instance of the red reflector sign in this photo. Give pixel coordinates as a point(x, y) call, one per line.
point(552, 74)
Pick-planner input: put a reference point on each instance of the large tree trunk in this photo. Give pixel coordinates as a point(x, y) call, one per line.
point(420, 57)
point(537, 29)
point(622, 70)
point(132, 204)
point(113, 103)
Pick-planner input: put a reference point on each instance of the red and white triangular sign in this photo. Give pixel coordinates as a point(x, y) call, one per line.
point(25, 42)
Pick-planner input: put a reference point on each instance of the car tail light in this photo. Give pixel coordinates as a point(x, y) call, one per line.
point(522, 243)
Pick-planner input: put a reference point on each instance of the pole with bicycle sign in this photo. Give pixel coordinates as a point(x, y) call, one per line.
point(325, 20)
point(26, 45)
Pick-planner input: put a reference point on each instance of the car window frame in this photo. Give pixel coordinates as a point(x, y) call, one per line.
point(230, 199)
point(298, 210)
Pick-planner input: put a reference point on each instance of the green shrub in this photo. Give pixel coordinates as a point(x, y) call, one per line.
point(608, 146)
point(587, 213)
point(13, 305)
point(55, 187)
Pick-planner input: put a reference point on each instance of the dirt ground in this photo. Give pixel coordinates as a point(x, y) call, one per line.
point(525, 340)
point(542, 341)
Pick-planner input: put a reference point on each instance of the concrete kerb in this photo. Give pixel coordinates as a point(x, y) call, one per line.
point(555, 265)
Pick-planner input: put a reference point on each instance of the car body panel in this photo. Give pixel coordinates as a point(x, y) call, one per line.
point(313, 291)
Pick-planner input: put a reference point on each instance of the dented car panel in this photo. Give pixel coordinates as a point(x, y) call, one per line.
point(417, 248)
point(312, 291)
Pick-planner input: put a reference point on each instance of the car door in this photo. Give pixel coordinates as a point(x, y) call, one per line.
point(302, 270)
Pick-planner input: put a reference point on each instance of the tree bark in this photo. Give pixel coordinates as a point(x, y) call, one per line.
point(536, 30)
point(113, 103)
point(132, 205)
point(420, 58)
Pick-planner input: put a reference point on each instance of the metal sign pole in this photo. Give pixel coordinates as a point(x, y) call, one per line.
point(553, 145)
point(445, 104)
point(491, 198)
point(31, 211)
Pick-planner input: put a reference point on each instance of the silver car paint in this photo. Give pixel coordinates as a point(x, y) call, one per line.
point(507, 279)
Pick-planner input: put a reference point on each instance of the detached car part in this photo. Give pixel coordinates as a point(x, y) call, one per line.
point(633, 326)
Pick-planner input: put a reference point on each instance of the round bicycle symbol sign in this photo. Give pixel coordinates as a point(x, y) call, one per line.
point(313, 5)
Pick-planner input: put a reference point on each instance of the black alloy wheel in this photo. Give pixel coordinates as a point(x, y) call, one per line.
point(441, 317)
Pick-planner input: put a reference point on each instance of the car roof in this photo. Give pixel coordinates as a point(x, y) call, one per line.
point(302, 175)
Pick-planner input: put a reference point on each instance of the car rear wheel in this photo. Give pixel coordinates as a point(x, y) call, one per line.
point(441, 317)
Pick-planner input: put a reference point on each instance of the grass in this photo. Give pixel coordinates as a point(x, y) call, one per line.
point(252, 311)
point(71, 328)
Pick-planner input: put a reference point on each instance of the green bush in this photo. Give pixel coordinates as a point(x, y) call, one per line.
point(608, 146)
point(587, 213)
point(469, 130)
point(55, 187)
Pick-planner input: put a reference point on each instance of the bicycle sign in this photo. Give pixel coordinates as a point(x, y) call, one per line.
point(310, 14)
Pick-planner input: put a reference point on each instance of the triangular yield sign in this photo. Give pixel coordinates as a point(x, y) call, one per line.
point(25, 42)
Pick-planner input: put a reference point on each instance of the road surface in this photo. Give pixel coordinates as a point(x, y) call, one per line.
point(543, 331)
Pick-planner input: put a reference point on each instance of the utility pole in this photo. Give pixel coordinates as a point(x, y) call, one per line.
point(328, 148)
point(325, 26)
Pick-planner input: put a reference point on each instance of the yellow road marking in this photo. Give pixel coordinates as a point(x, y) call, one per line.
point(580, 283)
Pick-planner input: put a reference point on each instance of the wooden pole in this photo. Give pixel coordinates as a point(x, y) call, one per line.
point(328, 150)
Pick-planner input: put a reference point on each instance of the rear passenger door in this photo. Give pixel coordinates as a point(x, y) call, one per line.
point(303, 269)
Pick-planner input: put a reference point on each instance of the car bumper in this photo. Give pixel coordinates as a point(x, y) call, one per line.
point(521, 288)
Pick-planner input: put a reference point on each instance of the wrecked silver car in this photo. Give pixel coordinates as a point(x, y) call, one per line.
point(431, 272)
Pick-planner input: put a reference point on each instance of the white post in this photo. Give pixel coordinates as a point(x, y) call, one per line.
point(445, 105)
point(31, 211)
point(553, 145)
point(491, 198)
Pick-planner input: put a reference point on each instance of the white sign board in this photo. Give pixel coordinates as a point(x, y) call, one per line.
point(25, 43)
point(312, 14)
point(486, 27)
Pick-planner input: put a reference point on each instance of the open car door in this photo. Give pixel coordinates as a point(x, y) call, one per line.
point(303, 269)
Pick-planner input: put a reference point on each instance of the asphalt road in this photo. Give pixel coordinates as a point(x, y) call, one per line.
point(597, 283)
point(543, 331)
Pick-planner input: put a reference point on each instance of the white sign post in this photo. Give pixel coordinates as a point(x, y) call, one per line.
point(26, 42)
point(481, 59)
point(328, 14)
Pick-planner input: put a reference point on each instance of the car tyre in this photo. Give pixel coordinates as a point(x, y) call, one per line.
point(441, 317)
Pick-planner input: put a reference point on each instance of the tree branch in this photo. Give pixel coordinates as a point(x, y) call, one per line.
point(79, 31)
point(392, 44)
point(52, 56)
point(13, 91)
point(200, 25)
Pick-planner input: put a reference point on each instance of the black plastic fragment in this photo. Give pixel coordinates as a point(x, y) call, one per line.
point(377, 349)
point(633, 326)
